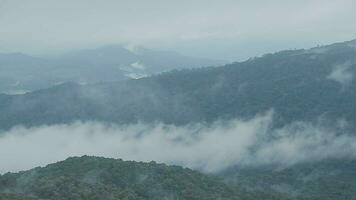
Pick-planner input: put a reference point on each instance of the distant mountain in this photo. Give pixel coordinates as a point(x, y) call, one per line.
point(299, 85)
point(103, 179)
point(20, 73)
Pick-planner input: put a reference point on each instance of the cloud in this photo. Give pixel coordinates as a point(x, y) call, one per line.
point(300, 142)
point(138, 65)
point(342, 74)
point(209, 148)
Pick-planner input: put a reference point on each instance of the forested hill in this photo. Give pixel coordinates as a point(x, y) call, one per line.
point(100, 178)
point(300, 85)
point(105, 179)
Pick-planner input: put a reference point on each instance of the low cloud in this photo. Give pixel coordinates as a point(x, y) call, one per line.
point(209, 148)
point(342, 74)
point(138, 65)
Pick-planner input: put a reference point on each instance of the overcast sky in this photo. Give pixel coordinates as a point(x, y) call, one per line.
point(225, 29)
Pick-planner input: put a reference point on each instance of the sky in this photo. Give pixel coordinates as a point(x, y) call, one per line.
point(219, 29)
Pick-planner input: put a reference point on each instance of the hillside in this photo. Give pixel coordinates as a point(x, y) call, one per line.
point(100, 178)
point(299, 85)
point(327, 180)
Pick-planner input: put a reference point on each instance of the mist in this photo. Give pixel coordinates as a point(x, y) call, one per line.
point(229, 30)
point(209, 148)
point(342, 74)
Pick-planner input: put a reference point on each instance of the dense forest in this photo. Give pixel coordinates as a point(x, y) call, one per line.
point(299, 85)
point(90, 177)
point(101, 178)
point(327, 179)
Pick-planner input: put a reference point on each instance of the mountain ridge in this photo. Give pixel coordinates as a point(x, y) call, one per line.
point(298, 85)
point(20, 72)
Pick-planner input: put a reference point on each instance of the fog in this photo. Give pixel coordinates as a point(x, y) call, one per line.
point(342, 74)
point(220, 29)
point(209, 148)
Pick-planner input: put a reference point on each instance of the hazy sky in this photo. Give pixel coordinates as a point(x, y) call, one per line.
point(227, 29)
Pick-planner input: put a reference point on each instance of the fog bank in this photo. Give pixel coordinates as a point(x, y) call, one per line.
point(205, 147)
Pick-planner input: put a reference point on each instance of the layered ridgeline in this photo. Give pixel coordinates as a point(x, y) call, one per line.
point(217, 126)
point(298, 85)
point(104, 179)
point(20, 73)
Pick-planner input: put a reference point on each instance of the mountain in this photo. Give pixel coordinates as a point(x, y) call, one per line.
point(101, 178)
point(20, 73)
point(299, 85)
point(315, 86)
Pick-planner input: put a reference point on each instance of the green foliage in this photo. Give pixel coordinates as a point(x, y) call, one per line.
point(100, 178)
point(324, 180)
